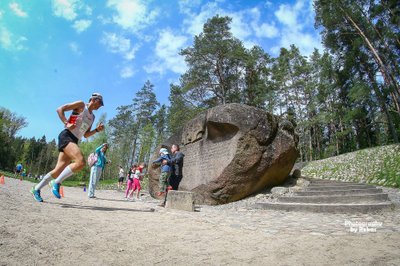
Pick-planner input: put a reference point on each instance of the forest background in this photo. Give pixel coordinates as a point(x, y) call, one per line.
point(342, 99)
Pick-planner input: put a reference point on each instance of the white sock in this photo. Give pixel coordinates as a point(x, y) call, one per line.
point(46, 179)
point(64, 175)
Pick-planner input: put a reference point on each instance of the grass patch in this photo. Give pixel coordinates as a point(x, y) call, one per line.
point(378, 166)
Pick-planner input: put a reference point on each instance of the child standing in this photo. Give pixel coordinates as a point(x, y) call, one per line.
point(129, 181)
point(138, 176)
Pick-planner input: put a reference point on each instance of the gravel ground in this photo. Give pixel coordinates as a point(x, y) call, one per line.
point(112, 231)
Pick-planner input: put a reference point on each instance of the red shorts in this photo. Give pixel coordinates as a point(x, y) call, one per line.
point(136, 184)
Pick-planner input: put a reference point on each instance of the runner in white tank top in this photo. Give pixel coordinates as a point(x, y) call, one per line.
point(83, 122)
point(77, 126)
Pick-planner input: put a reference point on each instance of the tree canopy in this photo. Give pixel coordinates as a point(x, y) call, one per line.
point(341, 99)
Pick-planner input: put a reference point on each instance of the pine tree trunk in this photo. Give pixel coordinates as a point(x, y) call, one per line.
point(133, 150)
point(384, 109)
point(310, 146)
point(396, 102)
point(386, 76)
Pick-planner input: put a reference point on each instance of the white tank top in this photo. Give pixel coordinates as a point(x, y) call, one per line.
point(83, 122)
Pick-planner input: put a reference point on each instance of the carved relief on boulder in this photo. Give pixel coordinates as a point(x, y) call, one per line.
point(232, 151)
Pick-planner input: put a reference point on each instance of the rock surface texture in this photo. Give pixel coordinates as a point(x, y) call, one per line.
point(232, 151)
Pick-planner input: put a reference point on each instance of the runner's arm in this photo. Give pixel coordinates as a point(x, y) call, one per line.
point(68, 107)
point(90, 132)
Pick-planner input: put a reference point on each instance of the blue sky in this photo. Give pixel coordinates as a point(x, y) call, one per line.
point(58, 51)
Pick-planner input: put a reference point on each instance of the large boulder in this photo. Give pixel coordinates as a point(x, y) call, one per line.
point(232, 151)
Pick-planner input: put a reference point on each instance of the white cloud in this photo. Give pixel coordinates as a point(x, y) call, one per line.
point(194, 22)
point(75, 48)
point(104, 20)
point(133, 15)
point(240, 27)
point(65, 9)
point(304, 41)
point(1, 14)
point(263, 30)
point(288, 15)
point(11, 42)
point(17, 10)
point(268, 4)
point(186, 6)
point(70, 9)
point(290, 24)
point(119, 45)
point(266, 30)
point(5, 38)
point(167, 55)
point(127, 72)
point(81, 25)
point(275, 50)
point(295, 20)
point(248, 44)
point(87, 10)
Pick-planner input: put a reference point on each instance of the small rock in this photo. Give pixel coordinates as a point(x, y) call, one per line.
point(300, 182)
point(278, 191)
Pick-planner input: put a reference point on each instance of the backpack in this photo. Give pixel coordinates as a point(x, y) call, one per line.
point(92, 159)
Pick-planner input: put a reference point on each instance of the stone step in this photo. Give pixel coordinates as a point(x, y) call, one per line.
point(330, 188)
point(323, 182)
point(338, 184)
point(362, 198)
point(323, 207)
point(339, 192)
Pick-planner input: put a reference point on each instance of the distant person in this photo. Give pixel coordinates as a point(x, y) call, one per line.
point(177, 167)
point(97, 169)
point(77, 126)
point(18, 169)
point(121, 176)
point(137, 177)
point(165, 161)
point(129, 181)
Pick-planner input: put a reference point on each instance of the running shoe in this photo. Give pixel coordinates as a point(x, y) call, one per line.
point(36, 194)
point(55, 189)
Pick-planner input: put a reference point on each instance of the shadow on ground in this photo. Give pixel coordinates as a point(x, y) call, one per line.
point(98, 208)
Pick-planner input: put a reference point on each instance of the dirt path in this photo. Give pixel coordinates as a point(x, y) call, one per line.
point(112, 231)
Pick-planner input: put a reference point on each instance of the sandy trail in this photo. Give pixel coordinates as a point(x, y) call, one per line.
point(112, 231)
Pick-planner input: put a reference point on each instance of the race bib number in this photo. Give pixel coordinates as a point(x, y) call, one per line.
point(84, 127)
